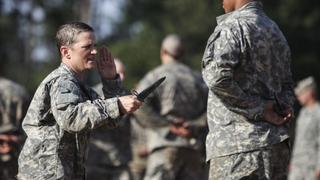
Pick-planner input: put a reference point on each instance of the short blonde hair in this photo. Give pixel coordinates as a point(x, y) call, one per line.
point(172, 44)
point(304, 84)
point(67, 33)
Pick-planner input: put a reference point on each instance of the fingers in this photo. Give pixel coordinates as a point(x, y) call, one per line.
point(100, 58)
point(129, 103)
point(288, 118)
point(102, 52)
point(104, 58)
point(282, 120)
point(110, 58)
point(105, 55)
point(274, 118)
point(180, 131)
point(105, 64)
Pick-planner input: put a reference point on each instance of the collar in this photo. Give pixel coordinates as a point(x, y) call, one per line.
point(68, 69)
point(250, 6)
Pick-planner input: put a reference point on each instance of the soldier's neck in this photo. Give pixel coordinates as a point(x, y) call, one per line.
point(311, 103)
point(168, 59)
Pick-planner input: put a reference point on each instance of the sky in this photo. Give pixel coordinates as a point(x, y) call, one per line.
point(104, 14)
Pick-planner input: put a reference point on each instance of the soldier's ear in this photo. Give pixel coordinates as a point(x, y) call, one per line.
point(65, 53)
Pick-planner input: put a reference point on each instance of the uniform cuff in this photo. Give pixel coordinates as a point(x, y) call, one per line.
point(112, 107)
point(111, 87)
point(258, 115)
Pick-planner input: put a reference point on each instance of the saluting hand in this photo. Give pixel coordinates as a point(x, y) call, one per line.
point(105, 64)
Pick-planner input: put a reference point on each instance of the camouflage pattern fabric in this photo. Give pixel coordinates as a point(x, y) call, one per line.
point(138, 164)
point(61, 115)
point(183, 94)
point(110, 150)
point(109, 172)
point(246, 62)
point(172, 163)
point(13, 98)
point(305, 157)
point(13, 101)
point(261, 164)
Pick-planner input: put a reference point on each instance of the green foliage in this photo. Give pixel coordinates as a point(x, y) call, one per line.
point(137, 38)
point(195, 21)
point(300, 23)
point(17, 39)
point(147, 22)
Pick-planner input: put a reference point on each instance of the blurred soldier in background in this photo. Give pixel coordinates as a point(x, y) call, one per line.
point(64, 110)
point(140, 152)
point(13, 105)
point(109, 149)
point(246, 66)
point(174, 115)
point(305, 162)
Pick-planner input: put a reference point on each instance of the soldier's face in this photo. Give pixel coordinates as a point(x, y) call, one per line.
point(304, 96)
point(82, 53)
point(229, 5)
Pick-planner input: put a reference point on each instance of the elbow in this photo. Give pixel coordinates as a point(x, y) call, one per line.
point(219, 79)
point(71, 125)
point(217, 84)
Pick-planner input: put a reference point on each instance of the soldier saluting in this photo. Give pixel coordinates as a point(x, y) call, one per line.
point(64, 109)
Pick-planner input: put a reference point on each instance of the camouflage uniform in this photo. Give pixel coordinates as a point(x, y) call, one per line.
point(246, 62)
point(61, 115)
point(138, 164)
point(110, 151)
point(305, 158)
point(183, 94)
point(13, 99)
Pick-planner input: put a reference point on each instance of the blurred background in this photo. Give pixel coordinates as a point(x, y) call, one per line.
point(133, 30)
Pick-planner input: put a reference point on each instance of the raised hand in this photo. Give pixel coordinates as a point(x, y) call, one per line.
point(105, 64)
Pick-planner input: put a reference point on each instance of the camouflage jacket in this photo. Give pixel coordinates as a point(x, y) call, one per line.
point(110, 147)
point(13, 99)
point(246, 61)
point(13, 105)
point(58, 122)
point(182, 94)
point(306, 151)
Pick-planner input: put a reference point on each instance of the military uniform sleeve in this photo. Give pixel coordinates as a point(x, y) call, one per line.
point(287, 95)
point(113, 88)
point(220, 60)
point(74, 113)
point(200, 122)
